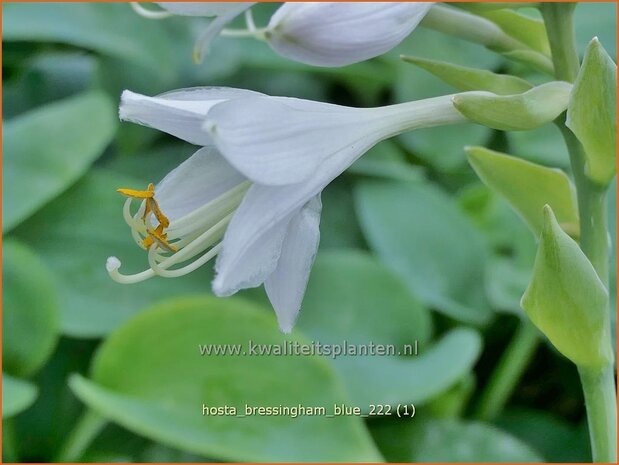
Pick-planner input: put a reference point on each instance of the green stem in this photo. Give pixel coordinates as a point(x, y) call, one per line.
point(508, 372)
point(9, 445)
point(86, 430)
point(599, 389)
point(598, 385)
point(559, 20)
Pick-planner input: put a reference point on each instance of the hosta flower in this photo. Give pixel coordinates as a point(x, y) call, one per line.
point(319, 34)
point(254, 198)
point(341, 33)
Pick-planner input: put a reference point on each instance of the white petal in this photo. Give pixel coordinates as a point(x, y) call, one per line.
point(198, 180)
point(202, 8)
point(341, 33)
point(279, 141)
point(286, 285)
point(179, 113)
point(260, 222)
point(258, 262)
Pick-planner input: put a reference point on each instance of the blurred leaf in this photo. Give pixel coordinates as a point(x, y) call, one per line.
point(506, 283)
point(48, 149)
point(111, 29)
point(82, 228)
point(339, 227)
point(452, 402)
point(520, 112)
point(30, 310)
point(17, 395)
point(592, 113)
point(439, 147)
point(567, 301)
point(543, 145)
point(596, 19)
point(555, 439)
point(528, 187)
point(386, 160)
point(529, 31)
point(421, 234)
point(460, 441)
point(372, 306)
point(48, 76)
point(138, 380)
point(464, 78)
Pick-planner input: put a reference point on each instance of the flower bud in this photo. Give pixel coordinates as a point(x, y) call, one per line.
point(566, 300)
point(341, 33)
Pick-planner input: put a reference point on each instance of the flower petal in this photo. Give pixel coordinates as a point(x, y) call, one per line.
point(262, 218)
point(286, 285)
point(278, 141)
point(202, 8)
point(341, 33)
point(180, 112)
point(201, 178)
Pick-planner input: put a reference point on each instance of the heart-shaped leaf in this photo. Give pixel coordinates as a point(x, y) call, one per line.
point(420, 233)
point(48, 149)
point(17, 395)
point(149, 376)
point(29, 310)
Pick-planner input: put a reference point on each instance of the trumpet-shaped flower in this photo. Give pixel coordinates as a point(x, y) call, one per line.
point(252, 196)
point(341, 33)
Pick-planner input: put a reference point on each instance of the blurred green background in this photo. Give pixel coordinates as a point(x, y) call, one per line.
point(413, 247)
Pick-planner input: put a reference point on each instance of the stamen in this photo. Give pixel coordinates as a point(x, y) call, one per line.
point(158, 236)
point(150, 14)
point(149, 193)
point(152, 204)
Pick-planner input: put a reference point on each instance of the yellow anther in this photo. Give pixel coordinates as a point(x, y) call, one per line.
point(157, 235)
point(149, 193)
point(151, 204)
point(147, 242)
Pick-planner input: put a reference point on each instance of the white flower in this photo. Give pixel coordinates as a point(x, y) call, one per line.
point(341, 33)
point(255, 200)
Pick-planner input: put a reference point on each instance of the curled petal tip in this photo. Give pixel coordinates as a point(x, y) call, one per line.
point(112, 264)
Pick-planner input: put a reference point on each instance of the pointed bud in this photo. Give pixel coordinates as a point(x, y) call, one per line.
point(592, 113)
point(520, 112)
point(341, 33)
point(528, 187)
point(566, 300)
point(466, 79)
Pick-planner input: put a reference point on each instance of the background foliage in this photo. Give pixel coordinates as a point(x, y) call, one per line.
point(413, 247)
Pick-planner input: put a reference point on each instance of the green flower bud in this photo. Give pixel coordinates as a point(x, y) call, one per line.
point(592, 113)
point(528, 187)
point(466, 79)
point(519, 112)
point(566, 300)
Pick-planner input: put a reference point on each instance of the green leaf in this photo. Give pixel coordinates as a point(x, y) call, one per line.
point(535, 60)
point(528, 187)
point(336, 310)
point(460, 441)
point(420, 233)
point(566, 300)
point(30, 310)
point(48, 149)
point(82, 228)
point(17, 395)
point(464, 78)
point(519, 112)
point(557, 440)
point(150, 378)
point(386, 160)
point(111, 29)
point(529, 31)
point(592, 113)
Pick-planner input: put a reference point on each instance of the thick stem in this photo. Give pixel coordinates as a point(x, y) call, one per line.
point(86, 430)
point(599, 389)
point(559, 20)
point(598, 385)
point(508, 371)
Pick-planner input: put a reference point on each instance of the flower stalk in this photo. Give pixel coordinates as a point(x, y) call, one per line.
point(598, 384)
